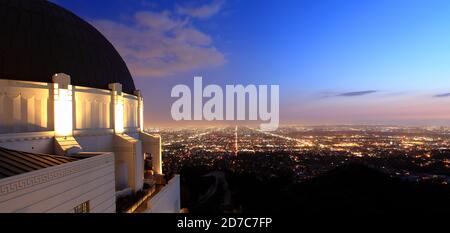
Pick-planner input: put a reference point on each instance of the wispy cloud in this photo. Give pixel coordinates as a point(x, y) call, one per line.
point(158, 44)
point(356, 93)
point(202, 12)
point(442, 95)
point(333, 94)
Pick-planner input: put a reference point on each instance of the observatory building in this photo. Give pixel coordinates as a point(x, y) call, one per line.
point(71, 120)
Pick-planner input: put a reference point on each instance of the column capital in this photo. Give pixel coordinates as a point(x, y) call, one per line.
point(116, 87)
point(63, 80)
point(138, 93)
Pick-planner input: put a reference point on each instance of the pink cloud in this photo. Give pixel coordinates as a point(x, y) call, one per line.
point(158, 44)
point(204, 11)
point(405, 109)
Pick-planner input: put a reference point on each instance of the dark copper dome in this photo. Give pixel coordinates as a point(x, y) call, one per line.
point(39, 39)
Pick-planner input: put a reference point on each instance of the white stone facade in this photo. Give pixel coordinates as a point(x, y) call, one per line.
point(58, 118)
point(60, 189)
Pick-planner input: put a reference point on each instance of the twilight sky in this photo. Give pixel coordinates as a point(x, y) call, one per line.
point(337, 62)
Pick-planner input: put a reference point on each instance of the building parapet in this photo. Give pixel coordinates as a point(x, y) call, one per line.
point(129, 162)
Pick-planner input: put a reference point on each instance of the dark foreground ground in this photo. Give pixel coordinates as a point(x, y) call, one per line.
point(350, 189)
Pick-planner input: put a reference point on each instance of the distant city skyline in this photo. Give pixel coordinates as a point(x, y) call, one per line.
point(337, 62)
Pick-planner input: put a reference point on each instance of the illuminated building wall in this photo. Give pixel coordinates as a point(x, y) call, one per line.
point(92, 111)
point(60, 189)
point(60, 118)
point(62, 99)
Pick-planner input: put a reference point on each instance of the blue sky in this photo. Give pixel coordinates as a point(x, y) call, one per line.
point(336, 61)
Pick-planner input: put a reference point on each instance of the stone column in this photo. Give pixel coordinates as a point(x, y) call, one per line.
point(157, 157)
point(63, 105)
point(117, 107)
point(140, 110)
point(65, 143)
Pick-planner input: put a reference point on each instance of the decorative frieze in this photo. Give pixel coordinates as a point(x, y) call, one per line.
point(51, 174)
